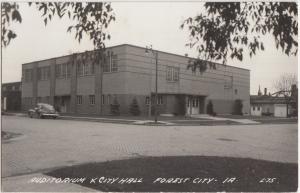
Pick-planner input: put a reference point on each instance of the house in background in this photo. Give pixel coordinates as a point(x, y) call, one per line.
point(73, 84)
point(277, 106)
point(11, 96)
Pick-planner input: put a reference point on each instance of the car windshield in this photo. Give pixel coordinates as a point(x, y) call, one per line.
point(47, 107)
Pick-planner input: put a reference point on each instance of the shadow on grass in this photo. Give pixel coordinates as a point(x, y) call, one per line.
point(250, 175)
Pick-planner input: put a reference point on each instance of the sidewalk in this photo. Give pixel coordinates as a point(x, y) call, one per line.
point(201, 119)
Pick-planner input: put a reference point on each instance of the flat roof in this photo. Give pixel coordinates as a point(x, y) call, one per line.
point(120, 45)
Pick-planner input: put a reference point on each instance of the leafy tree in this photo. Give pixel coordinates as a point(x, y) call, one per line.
point(91, 19)
point(284, 87)
point(115, 107)
point(227, 29)
point(134, 108)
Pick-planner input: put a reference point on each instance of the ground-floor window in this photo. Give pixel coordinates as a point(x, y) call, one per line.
point(79, 99)
point(147, 100)
point(103, 99)
point(92, 99)
point(159, 100)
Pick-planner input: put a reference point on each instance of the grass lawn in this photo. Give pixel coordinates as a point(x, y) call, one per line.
point(249, 174)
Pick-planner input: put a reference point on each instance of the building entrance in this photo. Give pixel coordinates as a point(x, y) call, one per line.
point(194, 105)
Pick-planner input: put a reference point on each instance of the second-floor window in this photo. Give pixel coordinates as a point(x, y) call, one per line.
point(172, 74)
point(63, 70)
point(84, 69)
point(43, 73)
point(27, 75)
point(111, 63)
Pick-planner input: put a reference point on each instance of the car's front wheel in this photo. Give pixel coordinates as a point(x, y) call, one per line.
point(40, 116)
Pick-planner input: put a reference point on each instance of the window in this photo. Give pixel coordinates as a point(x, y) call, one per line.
point(169, 74)
point(63, 70)
point(92, 99)
point(13, 88)
point(43, 73)
point(103, 99)
point(253, 108)
point(28, 75)
point(3, 88)
point(172, 73)
point(110, 63)
point(114, 63)
point(84, 69)
point(147, 101)
point(159, 100)
point(80, 69)
point(79, 99)
point(258, 108)
point(39, 100)
point(175, 74)
point(228, 84)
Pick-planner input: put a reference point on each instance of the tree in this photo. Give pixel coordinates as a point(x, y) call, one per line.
point(210, 108)
point(285, 82)
point(134, 108)
point(91, 19)
point(227, 29)
point(286, 86)
point(115, 107)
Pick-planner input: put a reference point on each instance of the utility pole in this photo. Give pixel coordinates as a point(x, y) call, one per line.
point(155, 53)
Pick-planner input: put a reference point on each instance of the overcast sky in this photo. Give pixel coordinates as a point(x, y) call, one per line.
point(140, 24)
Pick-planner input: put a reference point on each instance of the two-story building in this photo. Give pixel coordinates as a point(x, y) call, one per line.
point(75, 84)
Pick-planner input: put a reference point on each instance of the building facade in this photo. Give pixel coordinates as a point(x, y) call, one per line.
point(75, 84)
point(278, 106)
point(11, 96)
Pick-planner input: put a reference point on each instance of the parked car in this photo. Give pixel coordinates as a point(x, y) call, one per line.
point(43, 110)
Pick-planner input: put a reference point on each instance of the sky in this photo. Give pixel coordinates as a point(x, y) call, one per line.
point(137, 23)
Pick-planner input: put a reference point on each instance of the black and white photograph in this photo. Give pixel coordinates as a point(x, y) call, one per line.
point(149, 96)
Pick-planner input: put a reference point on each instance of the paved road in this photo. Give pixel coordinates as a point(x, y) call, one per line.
point(50, 143)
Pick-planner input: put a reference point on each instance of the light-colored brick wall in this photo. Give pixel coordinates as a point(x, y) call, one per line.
point(136, 77)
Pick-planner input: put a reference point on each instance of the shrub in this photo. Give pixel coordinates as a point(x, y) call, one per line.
point(115, 107)
point(210, 109)
point(238, 107)
point(134, 108)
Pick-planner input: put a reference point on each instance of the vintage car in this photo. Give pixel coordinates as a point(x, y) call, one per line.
point(43, 110)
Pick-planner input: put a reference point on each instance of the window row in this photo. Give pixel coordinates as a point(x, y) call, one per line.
point(159, 100)
point(108, 99)
point(172, 73)
point(11, 88)
point(256, 108)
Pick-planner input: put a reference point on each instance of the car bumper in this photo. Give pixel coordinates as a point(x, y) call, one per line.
point(50, 114)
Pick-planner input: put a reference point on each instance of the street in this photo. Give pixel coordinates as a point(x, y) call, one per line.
point(47, 144)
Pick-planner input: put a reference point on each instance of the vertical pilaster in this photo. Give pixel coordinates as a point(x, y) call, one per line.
point(98, 82)
point(52, 81)
point(73, 107)
point(34, 83)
